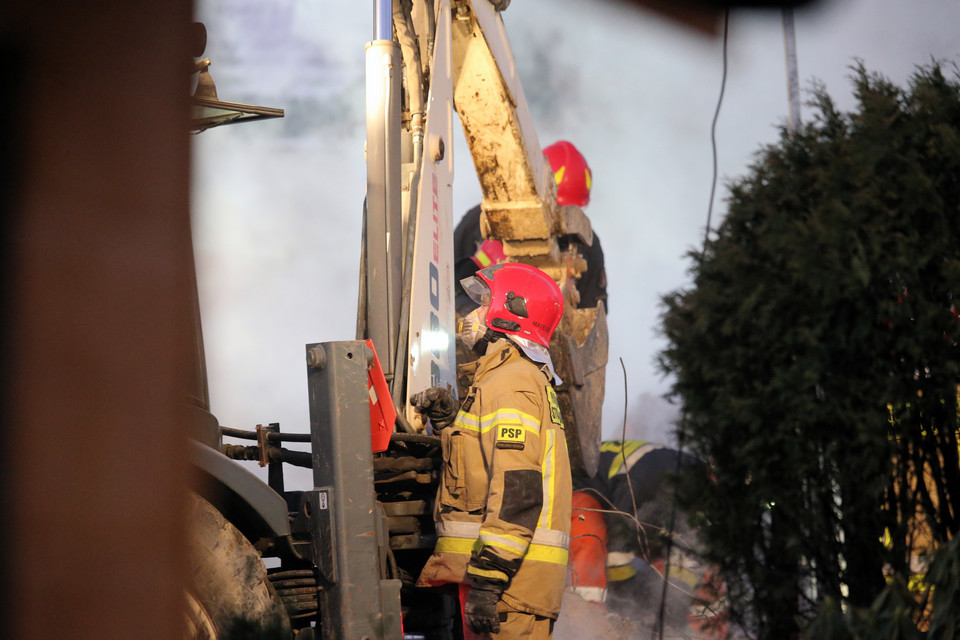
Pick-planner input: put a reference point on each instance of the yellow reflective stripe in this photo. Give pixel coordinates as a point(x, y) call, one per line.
point(458, 546)
point(512, 544)
point(505, 536)
point(685, 576)
point(589, 179)
point(622, 450)
point(632, 451)
point(484, 573)
point(483, 259)
point(467, 421)
point(558, 174)
point(486, 535)
point(505, 547)
point(510, 417)
point(535, 552)
point(548, 537)
point(547, 469)
point(543, 553)
point(615, 446)
point(618, 574)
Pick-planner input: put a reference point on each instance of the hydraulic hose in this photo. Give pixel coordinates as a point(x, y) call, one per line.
point(410, 53)
point(272, 436)
point(274, 454)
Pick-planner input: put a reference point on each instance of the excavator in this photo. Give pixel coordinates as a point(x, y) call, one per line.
point(340, 561)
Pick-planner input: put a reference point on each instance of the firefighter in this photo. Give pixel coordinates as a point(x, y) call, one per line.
point(574, 181)
point(634, 483)
point(503, 504)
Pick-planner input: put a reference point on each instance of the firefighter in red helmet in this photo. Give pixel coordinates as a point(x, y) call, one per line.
point(571, 173)
point(503, 504)
point(574, 181)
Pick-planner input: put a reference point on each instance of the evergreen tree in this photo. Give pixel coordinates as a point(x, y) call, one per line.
point(816, 357)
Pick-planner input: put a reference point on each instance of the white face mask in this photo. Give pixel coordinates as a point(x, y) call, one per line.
point(471, 329)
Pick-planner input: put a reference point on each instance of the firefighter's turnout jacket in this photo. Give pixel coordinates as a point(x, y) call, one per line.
point(505, 487)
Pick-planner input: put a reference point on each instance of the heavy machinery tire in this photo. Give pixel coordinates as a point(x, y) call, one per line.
point(229, 596)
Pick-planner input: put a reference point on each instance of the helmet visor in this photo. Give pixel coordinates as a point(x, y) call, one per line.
point(477, 289)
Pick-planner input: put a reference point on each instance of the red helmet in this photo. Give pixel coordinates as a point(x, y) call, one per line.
point(489, 253)
point(524, 301)
point(571, 172)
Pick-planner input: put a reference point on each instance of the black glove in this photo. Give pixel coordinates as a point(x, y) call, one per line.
point(437, 404)
point(480, 609)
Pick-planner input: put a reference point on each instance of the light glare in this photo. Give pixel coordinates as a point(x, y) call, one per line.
point(438, 341)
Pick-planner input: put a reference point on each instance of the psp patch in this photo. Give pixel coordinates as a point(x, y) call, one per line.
point(510, 437)
point(555, 416)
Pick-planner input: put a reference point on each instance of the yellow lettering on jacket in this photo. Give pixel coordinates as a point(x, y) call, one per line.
point(510, 433)
point(555, 416)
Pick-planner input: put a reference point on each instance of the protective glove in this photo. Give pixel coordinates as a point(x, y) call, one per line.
point(437, 404)
point(480, 609)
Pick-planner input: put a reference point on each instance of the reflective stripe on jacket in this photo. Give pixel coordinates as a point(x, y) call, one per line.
point(505, 486)
point(617, 457)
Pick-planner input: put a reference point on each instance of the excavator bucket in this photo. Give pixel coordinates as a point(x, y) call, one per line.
point(579, 352)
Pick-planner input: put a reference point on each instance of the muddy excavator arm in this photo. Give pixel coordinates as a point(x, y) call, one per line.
point(520, 209)
point(456, 56)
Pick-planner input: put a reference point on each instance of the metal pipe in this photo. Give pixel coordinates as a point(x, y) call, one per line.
point(382, 19)
point(362, 283)
point(383, 222)
point(392, 211)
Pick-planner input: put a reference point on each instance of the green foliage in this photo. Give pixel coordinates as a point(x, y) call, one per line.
point(816, 356)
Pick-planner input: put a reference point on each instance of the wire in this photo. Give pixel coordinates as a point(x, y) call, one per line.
point(623, 454)
point(713, 129)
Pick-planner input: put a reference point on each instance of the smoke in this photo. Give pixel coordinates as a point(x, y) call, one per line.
point(277, 203)
point(551, 81)
point(650, 417)
point(582, 620)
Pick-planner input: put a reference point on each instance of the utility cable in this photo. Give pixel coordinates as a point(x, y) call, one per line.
point(623, 454)
point(713, 130)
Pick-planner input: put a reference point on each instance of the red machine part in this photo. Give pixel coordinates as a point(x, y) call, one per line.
point(383, 415)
